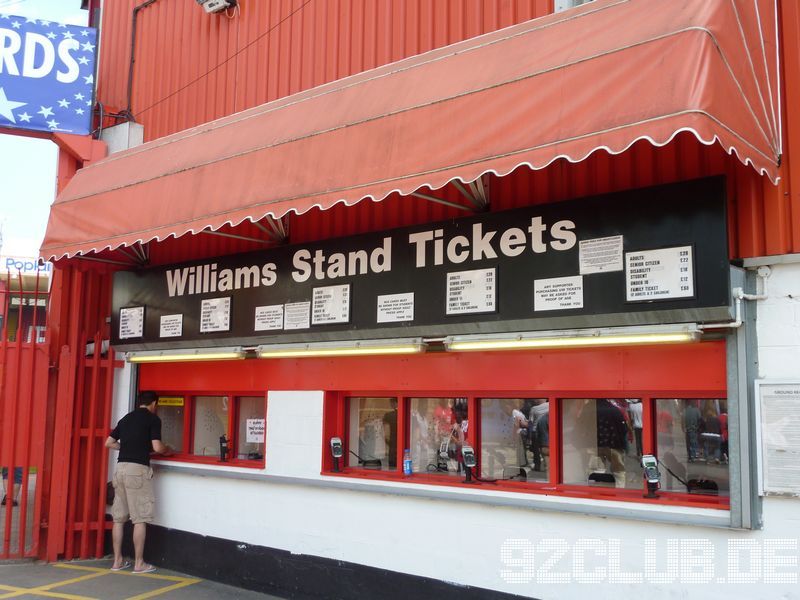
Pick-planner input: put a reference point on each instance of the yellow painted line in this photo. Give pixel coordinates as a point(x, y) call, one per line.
point(164, 590)
point(18, 591)
point(128, 572)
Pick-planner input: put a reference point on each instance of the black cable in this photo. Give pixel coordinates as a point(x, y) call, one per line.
point(232, 56)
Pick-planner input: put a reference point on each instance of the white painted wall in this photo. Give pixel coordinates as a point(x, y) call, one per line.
point(779, 325)
point(449, 540)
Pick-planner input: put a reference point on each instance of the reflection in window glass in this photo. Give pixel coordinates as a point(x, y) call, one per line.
point(599, 448)
point(373, 433)
point(439, 428)
point(251, 428)
point(692, 445)
point(515, 437)
point(210, 422)
point(170, 410)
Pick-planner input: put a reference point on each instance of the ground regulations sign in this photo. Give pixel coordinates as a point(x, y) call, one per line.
point(47, 73)
point(638, 256)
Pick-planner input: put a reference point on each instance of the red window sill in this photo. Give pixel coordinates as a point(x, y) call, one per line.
point(546, 489)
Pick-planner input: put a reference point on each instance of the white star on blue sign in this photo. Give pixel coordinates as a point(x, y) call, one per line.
point(60, 66)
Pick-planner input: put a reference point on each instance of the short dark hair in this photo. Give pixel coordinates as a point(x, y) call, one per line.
point(147, 398)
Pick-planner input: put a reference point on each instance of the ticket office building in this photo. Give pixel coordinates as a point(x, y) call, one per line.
point(560, 342)
point(589, 312)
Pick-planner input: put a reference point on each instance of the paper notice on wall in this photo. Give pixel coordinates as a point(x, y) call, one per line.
point(255, 431)
point(659, 274)
point(331, 304)
point(471, 292)
point(297, 315)
point(780, 437)
point(215, 315)
point(393, 308)
point(558, 293)
point(171, 326)
point(600, 255)
point(131, 322)
point(269, 317)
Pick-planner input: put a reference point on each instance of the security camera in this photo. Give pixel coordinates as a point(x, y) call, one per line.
point(215, 6)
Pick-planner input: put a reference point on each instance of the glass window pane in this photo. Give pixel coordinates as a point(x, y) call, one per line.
point(515, 437)
point(439, 428)
point(373, 433)
point(252, 427)
point(171, 410)
point(598, 443)
point(692, 445)
point(210, 422)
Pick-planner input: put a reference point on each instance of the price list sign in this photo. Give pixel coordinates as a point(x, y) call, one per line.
point(470, 292)
point(659, 274)
point(215, 315)
point(131, 322)
point(331, 304)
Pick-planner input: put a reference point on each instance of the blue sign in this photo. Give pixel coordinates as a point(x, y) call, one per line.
point(46, 75)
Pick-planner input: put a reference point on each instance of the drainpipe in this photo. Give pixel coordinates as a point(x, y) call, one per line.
point(739, 296)
point(127, 112)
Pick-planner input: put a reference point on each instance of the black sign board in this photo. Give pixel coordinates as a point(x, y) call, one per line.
point(644, 256)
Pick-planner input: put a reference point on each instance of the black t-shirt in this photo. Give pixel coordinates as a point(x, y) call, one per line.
point(135, 432)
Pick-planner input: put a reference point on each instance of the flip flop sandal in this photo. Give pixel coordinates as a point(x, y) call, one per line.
point(148, 569)
point(122, 567)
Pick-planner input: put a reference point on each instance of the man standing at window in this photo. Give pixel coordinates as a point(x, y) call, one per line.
point(136, 435)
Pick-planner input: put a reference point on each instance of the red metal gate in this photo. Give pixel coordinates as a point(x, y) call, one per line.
point(55, 403)
point(24, 363)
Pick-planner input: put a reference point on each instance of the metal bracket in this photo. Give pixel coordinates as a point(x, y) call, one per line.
point(476, 193)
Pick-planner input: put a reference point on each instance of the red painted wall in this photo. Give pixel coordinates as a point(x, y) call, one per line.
point(701, 367)
point(191, 68)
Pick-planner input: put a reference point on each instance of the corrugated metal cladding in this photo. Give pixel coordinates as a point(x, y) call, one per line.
point(192, 67)
point(278, 48)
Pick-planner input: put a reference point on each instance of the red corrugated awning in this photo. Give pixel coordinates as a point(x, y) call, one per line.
point(599, 77)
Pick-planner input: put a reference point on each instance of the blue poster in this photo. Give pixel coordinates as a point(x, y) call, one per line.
point(47, 75)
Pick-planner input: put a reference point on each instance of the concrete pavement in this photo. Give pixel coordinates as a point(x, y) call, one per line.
point(92, 580)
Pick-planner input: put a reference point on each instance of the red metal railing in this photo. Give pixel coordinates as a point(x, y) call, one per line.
point(23, 413)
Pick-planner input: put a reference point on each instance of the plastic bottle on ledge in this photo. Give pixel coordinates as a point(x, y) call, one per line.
point(407, 469)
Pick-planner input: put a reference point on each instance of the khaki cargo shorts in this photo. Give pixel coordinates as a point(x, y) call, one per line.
point(133, 493)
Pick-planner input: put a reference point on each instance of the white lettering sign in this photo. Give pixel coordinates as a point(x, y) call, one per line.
point(659, 274)
point(471, 291)
point(171, 326)
point(558, 293)
point(215, 315)
point(393, 308)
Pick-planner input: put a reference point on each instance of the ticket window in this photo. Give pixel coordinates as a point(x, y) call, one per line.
point(439, 427)
point(373, 433)
point(250, 428)
point(171, 410)
point(515, 438)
